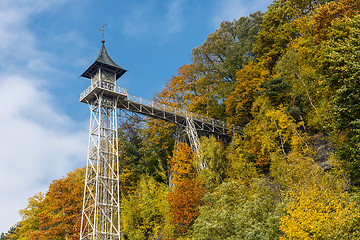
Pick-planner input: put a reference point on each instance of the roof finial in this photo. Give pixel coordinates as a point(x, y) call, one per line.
point(102, 32)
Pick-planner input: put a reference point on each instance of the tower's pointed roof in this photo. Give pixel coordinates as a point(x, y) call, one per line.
point(103, 60)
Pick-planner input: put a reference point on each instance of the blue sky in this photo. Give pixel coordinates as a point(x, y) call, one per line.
point(46, 45)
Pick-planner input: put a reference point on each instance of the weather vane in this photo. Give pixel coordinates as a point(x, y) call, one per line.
point(102, 32)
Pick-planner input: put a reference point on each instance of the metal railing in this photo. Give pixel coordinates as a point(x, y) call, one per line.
point(178, 111)
point(153, 104)
point(103, 85)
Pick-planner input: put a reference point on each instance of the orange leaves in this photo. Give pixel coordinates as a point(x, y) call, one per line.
point(58, 214)
point(184, 203)
point(63, 203)
point(179, 89)
point(185, 197)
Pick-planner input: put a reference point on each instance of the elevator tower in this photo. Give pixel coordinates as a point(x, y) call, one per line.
point(101, 204)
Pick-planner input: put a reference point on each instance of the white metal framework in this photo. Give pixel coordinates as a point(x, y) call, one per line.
point(101, 204)
point(194, 139)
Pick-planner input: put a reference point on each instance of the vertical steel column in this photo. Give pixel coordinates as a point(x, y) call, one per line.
point(101, 204)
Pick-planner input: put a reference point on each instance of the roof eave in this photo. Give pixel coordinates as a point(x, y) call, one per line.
point(96, 65)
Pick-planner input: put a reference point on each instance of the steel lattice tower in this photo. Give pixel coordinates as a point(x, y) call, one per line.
point(101, 204)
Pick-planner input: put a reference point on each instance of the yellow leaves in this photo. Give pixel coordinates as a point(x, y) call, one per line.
point(126, 181)
point(214, 155)
point(239, 102)
point(158, 133)
point(320, 212)
point(241, 168)
point(144, 212)
point(182, 163)
point(29, 222)
point(329, 12)
point(271, 131)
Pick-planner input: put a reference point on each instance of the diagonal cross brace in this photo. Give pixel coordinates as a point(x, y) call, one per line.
point(194, 141)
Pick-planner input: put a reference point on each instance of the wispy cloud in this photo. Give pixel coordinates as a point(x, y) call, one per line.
point(18, 44)
point(37, 141)
point(149, 20)
point(174, 18)
point(228, 10)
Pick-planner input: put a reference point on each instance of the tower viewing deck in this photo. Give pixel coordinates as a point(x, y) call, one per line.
point(152, 109)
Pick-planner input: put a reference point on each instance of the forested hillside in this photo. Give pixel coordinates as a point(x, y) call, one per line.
point(290, 78)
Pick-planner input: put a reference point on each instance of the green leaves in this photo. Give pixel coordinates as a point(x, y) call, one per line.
point(233, 211)
point(144, 213)
point(218, 59)
point(341, 67)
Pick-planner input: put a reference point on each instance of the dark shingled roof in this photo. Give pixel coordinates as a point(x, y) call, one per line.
point(103, 60)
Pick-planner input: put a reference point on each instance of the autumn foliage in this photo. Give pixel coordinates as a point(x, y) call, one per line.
point(289, 80)
point(57, 214)
point(187, 191)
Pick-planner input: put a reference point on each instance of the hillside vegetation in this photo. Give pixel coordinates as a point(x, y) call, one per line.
point(290, 78)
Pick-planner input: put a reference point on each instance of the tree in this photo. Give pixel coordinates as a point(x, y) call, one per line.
point(180, 89)
point(278, 28)
point(321, 210)
point(246, 88)
point(156, 148)
point(216, 61)
point(235, 211)
point(296, 70)
point(270, 132)
point(55, 215)
point(341, 68)
point(334, 10)
point(241, 166)
point(10, 234)
point(186, 192)
point(145, 212)
point(30, 221)
point(129, 143)
point(60, 215)
point(214, 155)
point(216, 57)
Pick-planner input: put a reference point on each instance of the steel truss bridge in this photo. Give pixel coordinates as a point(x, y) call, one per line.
point(156, 110)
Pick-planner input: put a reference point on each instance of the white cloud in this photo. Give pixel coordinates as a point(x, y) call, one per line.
point(228, 10)
point(38, 142)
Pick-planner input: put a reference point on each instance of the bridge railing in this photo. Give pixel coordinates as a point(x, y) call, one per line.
point(179, 111)
point(153, 104)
